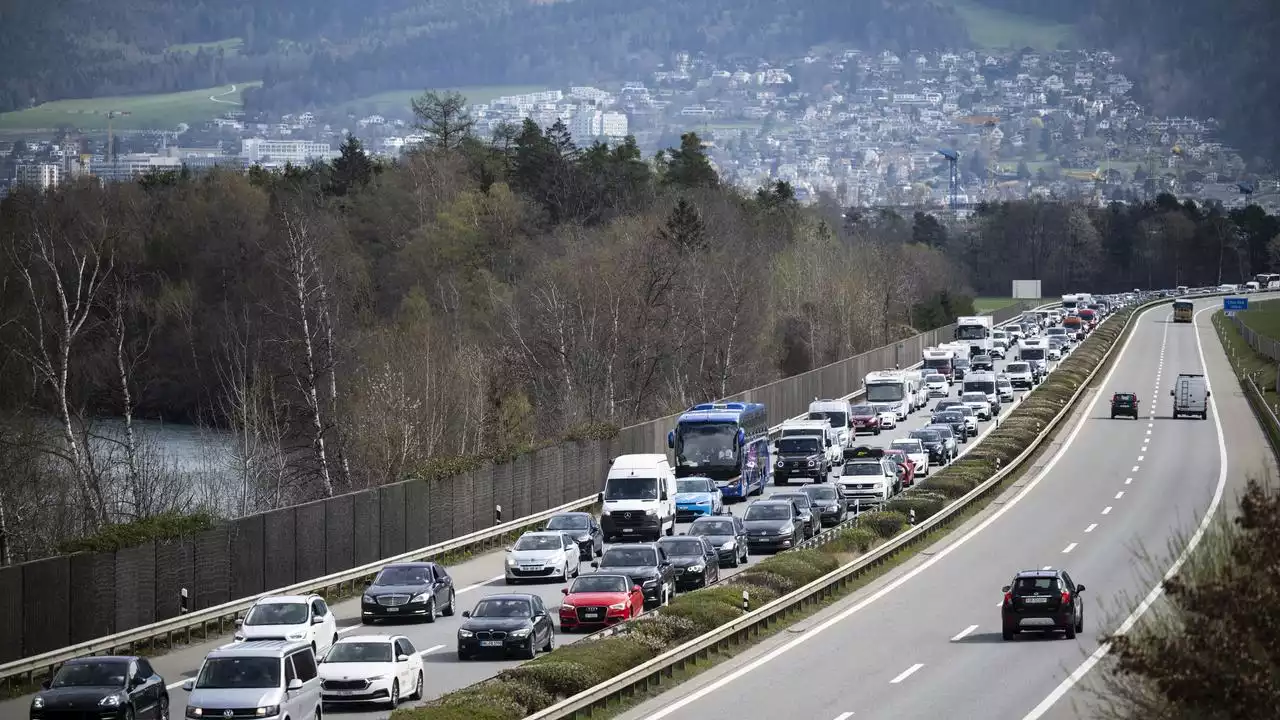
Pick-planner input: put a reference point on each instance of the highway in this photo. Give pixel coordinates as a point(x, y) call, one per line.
point(474, 579)
point(924, 641)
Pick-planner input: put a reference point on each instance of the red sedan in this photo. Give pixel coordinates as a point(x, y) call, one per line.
point(906, 466)
point(865, 419)
point(599, 600)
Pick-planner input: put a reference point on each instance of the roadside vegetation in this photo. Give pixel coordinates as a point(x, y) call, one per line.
point(571, 669)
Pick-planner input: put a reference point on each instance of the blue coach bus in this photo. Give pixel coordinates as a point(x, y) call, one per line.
point(727, 442)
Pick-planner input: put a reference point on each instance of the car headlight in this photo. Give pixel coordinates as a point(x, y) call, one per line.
point(584, 538)
point(376, 677)
point(296, 636)
point(522, 632)
point(195, 711)
point(812, 463)
point(464, 633)
point(650, 582)
point(369, 599)
point(37, 702)
point(420, 597)
point(787, 530)
point(650, 511)
point(267, 711)
point(696, 568)
point(511, 562)
point(618, 606)
point(110, 701)
point(706, 501)
point(728, 546)
point(567, 604)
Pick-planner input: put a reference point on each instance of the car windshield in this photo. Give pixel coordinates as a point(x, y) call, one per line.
point(629, 557)
point(944, 432)
point(539, 542)
point(682, 548)
point(948, 417)
point(935, 378)
point(102, 673)
point(800, 499)
point(1004, 383)
point(502, 608)
point(909, 445)
point(568, 522)
point(925, 436)
point(403, 576)
point(973, 398)
point(863, 410)
point(963, 411)
point(798, 445)
point(359, 652)
point(708, 526)
point(239, 673)
point(767, 512)
point(695, 485)
point(821, 492)
point(278, 614)
point(1017, 367)
point(946, 404)
point(599, 584)
point(631, 488)
point(863, 468)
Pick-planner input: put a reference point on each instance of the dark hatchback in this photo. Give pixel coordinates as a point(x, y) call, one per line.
point(695, 560)
point(982, 363)
point(804, 505)
point(102, 688)
point(1124, 404)
point(584, 530)
point(828, 503)
point(773, 525)
point(408, 590)
point(953, 419)
point(939, 454)
point(502, 625)
point(1042, 601)
point(728, 534)
point(647, 565)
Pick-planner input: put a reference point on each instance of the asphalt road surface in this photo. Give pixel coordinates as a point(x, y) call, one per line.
point(474, 580)
point(925, 642)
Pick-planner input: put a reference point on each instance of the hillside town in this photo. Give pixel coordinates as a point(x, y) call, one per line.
point(941, 129)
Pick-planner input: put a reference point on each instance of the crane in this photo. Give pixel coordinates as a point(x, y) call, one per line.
point(111, 134)
point(952, 158)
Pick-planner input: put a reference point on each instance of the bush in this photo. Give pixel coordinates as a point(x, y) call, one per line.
point(556, 678)
point(952, 487)
point(706, 612)
point(665, 630)
point(165, 526)
point(772, 581)
point(610, 656)
point(800, 566)
point(488, 700)
point(858, 540)
point(925, 507)
point(885, 523)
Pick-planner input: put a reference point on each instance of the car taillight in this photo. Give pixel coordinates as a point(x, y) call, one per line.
point(1008, 598)
point(1066, 597)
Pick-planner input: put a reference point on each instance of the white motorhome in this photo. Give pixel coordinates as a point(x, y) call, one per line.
point(975, 331)
point(940, 360)
point(821, 430)
point(639, 498)
point(1036, 352)
point(920, 387)
point(985, 383)
point(837, 412)
point(889, 391)
point(1070, 302)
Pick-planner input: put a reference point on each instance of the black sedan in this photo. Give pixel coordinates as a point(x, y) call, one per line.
point(421, 590)
point(828, 503)
point(584, 530)
point(728, 534)
point(695, 559)
point(647, 565)
point(103, 688)
point(503, 625)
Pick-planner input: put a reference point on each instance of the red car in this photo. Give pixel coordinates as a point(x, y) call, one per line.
point(865, 419)
point(906, 466)
point(599, 600)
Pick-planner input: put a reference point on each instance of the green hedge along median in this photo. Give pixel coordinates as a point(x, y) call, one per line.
point(571, 669)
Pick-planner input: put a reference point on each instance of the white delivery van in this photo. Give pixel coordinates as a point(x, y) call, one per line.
point(839, 413)
point(1190, 396)
point(639, 499)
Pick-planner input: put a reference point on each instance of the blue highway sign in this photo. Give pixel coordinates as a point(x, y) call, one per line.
point(1233, 305)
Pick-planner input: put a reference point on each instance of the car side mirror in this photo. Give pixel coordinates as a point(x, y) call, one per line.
point(564, 591)
point(466, 613)
point(1208, 393)
point(595, 565)
point(402, 658)
point(506, 549)
point(137, 682)
point(599, 497)
point(663, 496)
point(1005, 588)
point(1079, 588)
point(1171, 393)
point(295, 685)
point(317, 620)
point(665, 563)
point(636, 589)
point(188, 685)
point(239, 622)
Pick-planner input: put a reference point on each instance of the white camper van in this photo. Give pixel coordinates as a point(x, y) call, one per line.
point(639, 499)
point(837, 412)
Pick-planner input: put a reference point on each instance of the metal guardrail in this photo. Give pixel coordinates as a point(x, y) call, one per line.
point(744, 628)
point(219, 615)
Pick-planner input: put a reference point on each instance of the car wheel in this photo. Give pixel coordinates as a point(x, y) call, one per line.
point(431, 610)
point(1080, 623)
point(1007, 634)
point(417, 691)
point(551, 641)
point(163, 713)
point(128, 713)
point(531, 652)
point(600, 549)
point(1070, 631)
point(450, 608)
point(395, 693)
point(736, 561)
point(462, 656)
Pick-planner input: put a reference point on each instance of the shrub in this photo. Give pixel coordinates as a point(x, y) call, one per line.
point(556, 678)
point(775, 582)
point(667, 630)
point(165, 526)
point(706, 611)
point(609, 656)
point(925, 507)
point(885, 523)
point(858, 540)
point(952, 487)
point(800, 566)
point(488, 700)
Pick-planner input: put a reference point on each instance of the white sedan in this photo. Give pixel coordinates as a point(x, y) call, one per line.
point(888, 420)
point(544, 555)
point(371, 669)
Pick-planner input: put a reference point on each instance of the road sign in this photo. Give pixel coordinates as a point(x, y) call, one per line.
point(1233, 305)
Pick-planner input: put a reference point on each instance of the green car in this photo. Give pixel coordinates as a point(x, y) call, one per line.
point(1124, 405)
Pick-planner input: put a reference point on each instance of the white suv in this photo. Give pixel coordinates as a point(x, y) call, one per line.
point(916, 451)
point(291, 618)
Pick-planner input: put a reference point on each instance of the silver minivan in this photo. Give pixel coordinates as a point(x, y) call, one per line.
point(260, 679)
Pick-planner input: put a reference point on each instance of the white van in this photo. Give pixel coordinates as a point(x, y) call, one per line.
point(1190, 396)
point(639, 499)
point(839, 413)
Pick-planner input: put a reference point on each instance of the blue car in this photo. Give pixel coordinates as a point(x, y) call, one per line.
point(697, 497)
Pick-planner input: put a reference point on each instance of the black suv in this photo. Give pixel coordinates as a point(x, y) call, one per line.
point(982, 362)
point(1042, 601)
point(1124, 404)
point(801, 456)
point(647, 564)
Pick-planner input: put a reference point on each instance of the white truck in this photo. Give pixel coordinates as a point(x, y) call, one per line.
point(639, 498)
point(822, 431)
point(837, 412)
point(975, 330)
point(889, 391)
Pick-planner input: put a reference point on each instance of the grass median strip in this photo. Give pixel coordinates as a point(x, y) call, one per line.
point(572, 669)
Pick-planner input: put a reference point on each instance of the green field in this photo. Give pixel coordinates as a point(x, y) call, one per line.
point(1263, 318)
point(991, 28)
point(991, 304)
point(146, 112)
point(397, 101)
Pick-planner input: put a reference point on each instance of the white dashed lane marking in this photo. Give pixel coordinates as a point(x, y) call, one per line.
point(963, 632)
point(1106, 510)
point(1091, 527)
point(1119, 494)
point(906, 673)
point(1068, 548)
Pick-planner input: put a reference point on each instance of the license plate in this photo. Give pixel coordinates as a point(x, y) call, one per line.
point(341, 692)
point(530, 568)
point(490, 643)
point(393, 609)
point(591, 616)
point(627, 530)
point(1035, 600)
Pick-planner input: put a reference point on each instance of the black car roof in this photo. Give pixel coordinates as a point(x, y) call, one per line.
point(423, 564)
point(1038, 573)
point(575, 513)
point(102, 658)
point(647, 546)
point(509, 596)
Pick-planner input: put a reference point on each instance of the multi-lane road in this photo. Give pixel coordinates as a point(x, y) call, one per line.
point(474, 580)
point(925, 641)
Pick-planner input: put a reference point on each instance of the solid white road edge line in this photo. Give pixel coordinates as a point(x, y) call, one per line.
point(822, 627)
point(906, 673)
point(1078, 674)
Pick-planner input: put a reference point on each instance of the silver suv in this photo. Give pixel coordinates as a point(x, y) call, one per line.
point(259, 679)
